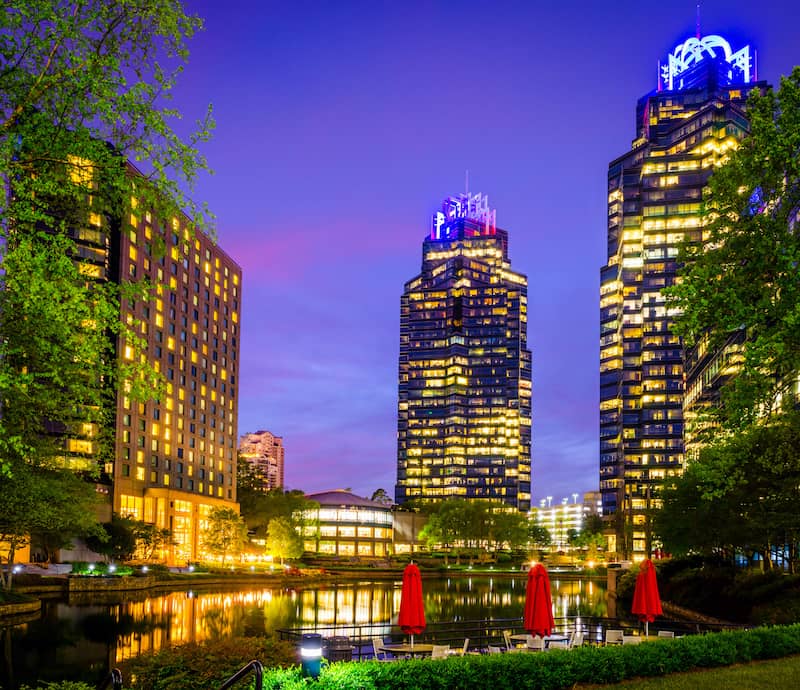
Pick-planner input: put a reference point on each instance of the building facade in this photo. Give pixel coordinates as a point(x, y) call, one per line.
point(343, 524)
point(684, 129)
point(264, 451)
point(565, 515)
point(464, 408)
point(175, 456)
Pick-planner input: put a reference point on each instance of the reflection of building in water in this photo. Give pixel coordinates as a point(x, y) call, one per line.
point(347, 525)
point(369, 606)
point(181, 617)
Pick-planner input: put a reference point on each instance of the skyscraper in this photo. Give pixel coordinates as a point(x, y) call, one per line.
point(464, 409)
point(684, 129)
point(264, 451)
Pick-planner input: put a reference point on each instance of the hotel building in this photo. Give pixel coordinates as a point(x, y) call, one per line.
point(684, 129)
point(174, 458)
point(264, 451)
point(464, 409)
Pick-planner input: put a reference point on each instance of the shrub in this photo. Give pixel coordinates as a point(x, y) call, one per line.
point(554, 670)
point(61, 685)
point(205, 665)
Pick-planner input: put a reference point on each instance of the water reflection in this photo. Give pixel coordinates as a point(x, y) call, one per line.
point(81, 641)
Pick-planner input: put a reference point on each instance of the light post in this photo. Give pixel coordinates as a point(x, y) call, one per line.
point(311, 655)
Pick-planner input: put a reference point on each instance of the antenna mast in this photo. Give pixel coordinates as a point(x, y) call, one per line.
point(698, 21)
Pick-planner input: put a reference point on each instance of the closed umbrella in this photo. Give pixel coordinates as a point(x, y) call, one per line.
point(646, 601)
point(411, 618)
point(538, 617)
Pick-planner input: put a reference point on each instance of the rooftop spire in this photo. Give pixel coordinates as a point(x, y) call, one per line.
point(697, 33)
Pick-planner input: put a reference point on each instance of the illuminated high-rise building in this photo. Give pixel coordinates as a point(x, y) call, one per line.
point(684, 129)
point(265, 453)
point(464, 410)
point(175, 457)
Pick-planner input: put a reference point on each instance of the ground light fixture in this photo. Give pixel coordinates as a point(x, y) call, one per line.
point(311, 655)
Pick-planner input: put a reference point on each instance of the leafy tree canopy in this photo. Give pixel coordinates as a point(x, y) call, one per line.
point(45, 501)
point(83, 88)
point(225, 533)
point(744, 275)
point(740, 495)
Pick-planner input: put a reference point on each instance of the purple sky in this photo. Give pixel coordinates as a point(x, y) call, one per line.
point(340, 128)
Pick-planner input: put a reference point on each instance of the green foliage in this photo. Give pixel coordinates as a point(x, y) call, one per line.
point(61, 685)
point(225, 533)
point(39, 499)
point(206, 665)
point(119, 541)
point(283, 541)
point(743, 277)
point(554, 670)
point(259, 507)
point(456, 526)
point(741, 494)
point(82, 90)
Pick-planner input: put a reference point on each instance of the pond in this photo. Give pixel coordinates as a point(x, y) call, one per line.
point(82, 638)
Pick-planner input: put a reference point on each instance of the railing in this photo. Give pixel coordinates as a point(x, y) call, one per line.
point(114, 678)
point(255, 667)
point(482, 633)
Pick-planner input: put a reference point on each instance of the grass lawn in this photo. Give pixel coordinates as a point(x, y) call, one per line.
point(777, 673)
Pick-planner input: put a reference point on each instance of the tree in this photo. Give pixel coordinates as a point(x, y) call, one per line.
point(82, 90)
point(150, 539)
point(119, 541)
point(740, 495)
point(743, 277)
point(259, 507)
point(42, 500)
point(380, 496)
point(283, 540)
point(225, 532)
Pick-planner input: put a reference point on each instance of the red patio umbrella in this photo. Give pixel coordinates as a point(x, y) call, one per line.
point(411, 618)
point(538, 617)
point(646, 601)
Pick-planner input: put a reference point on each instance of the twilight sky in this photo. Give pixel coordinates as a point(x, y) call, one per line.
point(340, 128)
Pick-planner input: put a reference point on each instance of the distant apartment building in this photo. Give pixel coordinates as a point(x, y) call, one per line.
point(684, 129)
point(265, 453)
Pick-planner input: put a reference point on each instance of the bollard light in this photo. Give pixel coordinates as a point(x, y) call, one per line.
point(311, 655)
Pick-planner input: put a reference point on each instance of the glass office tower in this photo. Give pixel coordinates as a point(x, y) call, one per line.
point(464, 410)
point(683, 130)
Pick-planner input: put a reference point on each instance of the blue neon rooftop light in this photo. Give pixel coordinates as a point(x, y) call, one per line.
point(695, 50)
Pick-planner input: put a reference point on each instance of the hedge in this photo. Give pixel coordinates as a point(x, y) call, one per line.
point(551, 670)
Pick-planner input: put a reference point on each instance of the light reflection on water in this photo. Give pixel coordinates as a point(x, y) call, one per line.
point(84, 640)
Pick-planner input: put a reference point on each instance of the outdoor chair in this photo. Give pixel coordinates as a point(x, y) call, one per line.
point(439, 651)
point(666, 633)
point(510, 646)
point(495, 650)
point(614, 636)
point(577, 639)
point(463, 651)
point(561, 644)
point(534, 643)
point(632, 639)
point(377, 643)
